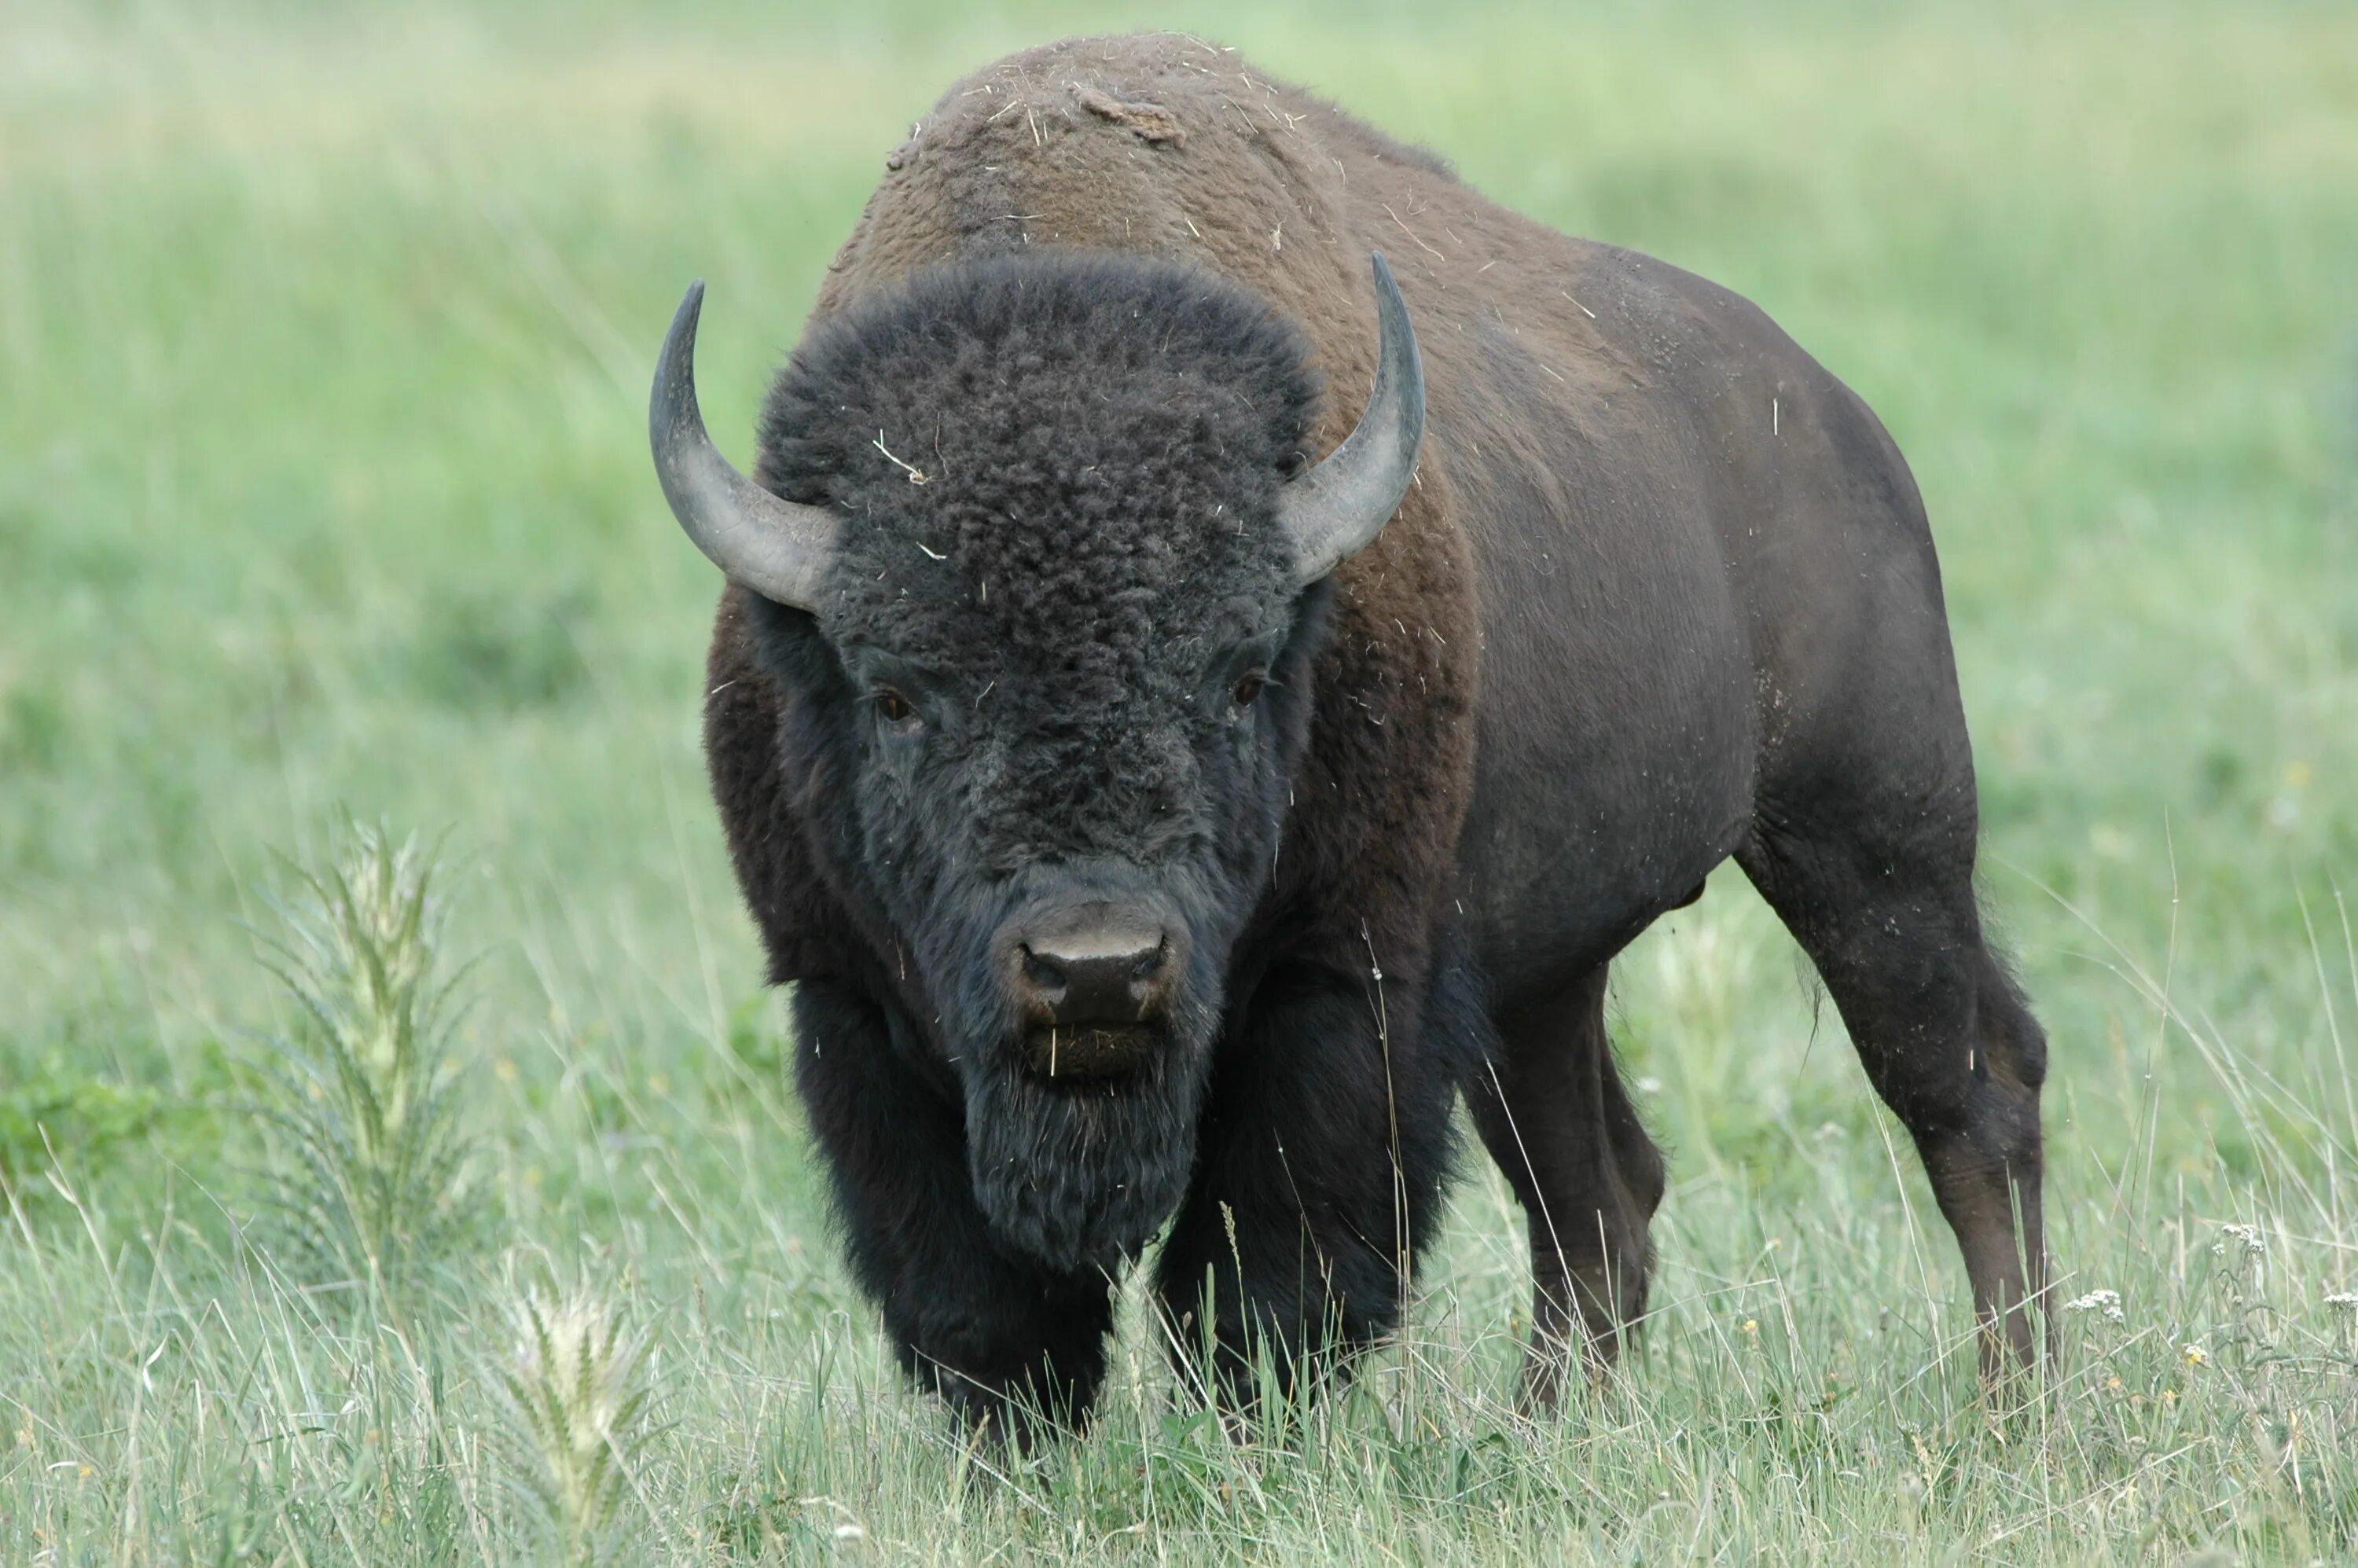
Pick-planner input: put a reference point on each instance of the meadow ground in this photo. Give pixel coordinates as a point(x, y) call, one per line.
point(324, 334)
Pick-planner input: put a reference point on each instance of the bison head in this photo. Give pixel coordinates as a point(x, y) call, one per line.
point(1039, 568)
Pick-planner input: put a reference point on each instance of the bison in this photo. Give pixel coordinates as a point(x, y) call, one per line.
point(1182, 719)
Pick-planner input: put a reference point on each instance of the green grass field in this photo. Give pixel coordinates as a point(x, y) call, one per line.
point(324, 337)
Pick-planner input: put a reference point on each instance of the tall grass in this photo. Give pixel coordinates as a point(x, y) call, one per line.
point(1805, 1391)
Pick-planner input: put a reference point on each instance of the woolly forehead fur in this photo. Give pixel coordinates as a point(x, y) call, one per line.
point(1085, 456)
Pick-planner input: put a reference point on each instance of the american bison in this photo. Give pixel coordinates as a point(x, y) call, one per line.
point(1182, 717)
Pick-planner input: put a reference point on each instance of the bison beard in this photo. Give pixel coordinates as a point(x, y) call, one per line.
point(1080, 1176)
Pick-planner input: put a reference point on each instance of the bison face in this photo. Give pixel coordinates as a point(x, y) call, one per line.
point(1069, 830)
point(1045, 623)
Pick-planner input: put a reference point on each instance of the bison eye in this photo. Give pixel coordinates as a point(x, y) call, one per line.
point(1248, 687)
point(893, 708)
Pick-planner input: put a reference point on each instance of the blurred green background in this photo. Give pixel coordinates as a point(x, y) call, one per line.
point(324, 337)
point(325, 331)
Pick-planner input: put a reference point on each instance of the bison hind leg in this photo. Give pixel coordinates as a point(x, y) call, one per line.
point(1881, 898)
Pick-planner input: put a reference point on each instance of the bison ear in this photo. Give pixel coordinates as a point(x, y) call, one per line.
point(1337, 508)
point(778, 548)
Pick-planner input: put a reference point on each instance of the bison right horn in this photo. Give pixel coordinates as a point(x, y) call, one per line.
point(778, 548)
point(1337, 508)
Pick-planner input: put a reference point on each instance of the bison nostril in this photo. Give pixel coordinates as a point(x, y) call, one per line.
point(1041, 978)
point(1149, 978)
point(1150, 964)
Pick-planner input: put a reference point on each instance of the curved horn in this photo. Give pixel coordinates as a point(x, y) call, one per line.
point(1337, 508)
point(778, 548)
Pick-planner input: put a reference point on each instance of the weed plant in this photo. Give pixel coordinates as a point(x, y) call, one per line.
point(366, 1174)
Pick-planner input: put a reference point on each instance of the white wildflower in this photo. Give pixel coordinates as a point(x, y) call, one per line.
point(2108, 1303)
point(2254, 1244)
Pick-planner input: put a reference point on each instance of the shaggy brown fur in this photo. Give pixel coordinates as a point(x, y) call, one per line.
point(1277, 190)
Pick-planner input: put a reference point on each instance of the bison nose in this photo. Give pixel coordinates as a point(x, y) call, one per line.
point(1095, 964)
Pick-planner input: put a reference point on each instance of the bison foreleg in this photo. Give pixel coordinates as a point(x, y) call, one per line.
point(1008, 1343)
point(1324, 1148)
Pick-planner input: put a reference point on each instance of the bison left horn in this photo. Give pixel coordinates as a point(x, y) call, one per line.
point(778, 548)
point(1337, 508)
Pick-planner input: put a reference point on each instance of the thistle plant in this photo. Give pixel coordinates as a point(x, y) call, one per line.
point(574, 1392)
point(368, 1178)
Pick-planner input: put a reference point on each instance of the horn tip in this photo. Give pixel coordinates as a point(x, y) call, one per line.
point(671, 404)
